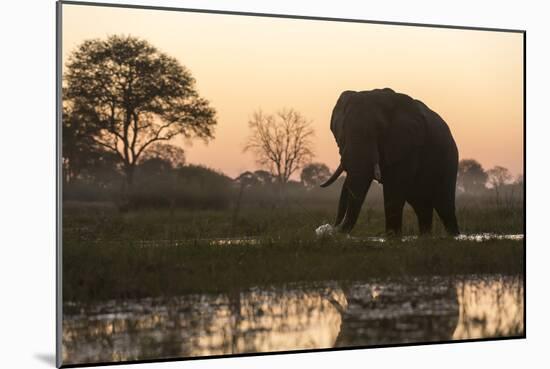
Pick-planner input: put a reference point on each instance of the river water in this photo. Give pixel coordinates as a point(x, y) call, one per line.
point(294, 317)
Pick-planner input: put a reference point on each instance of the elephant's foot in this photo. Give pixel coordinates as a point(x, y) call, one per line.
point(392, 234)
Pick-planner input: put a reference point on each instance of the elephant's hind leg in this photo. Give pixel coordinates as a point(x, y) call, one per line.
point(446, 212)
point(425, 218)
point(393, 209)
point(444, 204)
point(395, 186)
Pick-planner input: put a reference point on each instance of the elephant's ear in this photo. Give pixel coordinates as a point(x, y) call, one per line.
point(404, 133)
point(358, 153)
point(338, 118)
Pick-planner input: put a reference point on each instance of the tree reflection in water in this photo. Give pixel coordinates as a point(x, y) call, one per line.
point(294, 317)
point(490, 308)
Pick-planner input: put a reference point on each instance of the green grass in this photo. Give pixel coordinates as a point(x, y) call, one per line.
point(124, 270)
point(104, 256)
point(104, 222)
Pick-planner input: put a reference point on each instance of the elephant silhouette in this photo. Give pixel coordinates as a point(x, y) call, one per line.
point(399, 141)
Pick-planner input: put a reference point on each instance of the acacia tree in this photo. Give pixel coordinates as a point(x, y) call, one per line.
point(471, 176)
point(280, 142)
point(79, 150)
point(171, 154)
point(135, 96)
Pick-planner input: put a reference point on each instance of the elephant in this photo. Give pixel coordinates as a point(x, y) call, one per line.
point(390, 137)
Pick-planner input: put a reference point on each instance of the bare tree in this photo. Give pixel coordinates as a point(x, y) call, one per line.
point(281, 142)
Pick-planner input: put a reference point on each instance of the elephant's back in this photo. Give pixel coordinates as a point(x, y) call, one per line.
point(397, 104)
point(392, 103)
point(440, 137)
point(433, 120)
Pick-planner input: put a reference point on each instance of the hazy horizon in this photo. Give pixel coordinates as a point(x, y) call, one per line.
point(473, 79)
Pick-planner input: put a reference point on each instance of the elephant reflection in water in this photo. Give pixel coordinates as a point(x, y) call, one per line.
point(296, 317)
point(394, 313)
point(432, 309)
point(360, 314)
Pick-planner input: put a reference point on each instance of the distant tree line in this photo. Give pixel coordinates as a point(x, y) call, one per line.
point(474, 180)
point(163, 179)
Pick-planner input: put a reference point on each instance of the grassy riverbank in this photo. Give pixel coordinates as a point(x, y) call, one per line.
point(110, 255)
point(103, 222)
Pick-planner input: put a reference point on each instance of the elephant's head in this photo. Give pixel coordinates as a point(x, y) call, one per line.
point(359, 123)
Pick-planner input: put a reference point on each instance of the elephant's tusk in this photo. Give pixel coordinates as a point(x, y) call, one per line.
point(377, 173)
point(334, 177)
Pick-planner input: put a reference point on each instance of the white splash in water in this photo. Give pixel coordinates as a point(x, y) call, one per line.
point(477, 237)
point(480, 237)
point(324, 230)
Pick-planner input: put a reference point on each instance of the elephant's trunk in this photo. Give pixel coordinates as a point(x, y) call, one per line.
point(356, 191)
point(342, 204)
point(334, 177)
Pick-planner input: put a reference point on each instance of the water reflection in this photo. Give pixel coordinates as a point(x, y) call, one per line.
point(479, 299)
point(295, 317)
point(399, 311)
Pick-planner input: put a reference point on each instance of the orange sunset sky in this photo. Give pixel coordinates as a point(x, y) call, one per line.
point(473, 79)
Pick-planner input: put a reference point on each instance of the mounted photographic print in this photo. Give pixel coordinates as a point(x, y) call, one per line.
point(236, 184)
